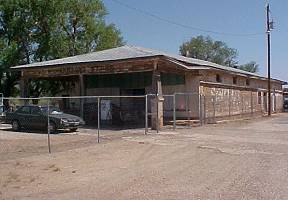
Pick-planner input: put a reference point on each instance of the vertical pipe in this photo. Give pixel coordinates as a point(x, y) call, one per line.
point(146, 114)
point(98, 128)
point(48, 127)
point(174, 112)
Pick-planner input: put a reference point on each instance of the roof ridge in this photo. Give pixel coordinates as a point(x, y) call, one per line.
point(152, 52)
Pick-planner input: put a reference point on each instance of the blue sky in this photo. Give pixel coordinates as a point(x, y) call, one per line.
point(227, 16)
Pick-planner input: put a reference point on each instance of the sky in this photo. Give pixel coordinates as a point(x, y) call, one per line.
point(235, 20)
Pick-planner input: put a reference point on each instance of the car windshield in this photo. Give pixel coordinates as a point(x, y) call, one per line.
point(52, 110)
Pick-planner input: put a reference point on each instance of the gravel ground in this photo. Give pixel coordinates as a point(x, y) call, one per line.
point(246, 159)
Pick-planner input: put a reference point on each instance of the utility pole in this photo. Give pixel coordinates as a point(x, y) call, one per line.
point(269, 28)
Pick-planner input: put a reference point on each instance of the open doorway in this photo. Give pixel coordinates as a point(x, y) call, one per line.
point(131, 109)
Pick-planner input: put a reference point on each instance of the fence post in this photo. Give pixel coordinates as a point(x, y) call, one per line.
point(252, 103)
point(204, 108)
point(146, 114)
point(174, 112)
point(157, 114)
point(214, 109)
point(98, 127)
point(229, 102)
point(48, 126)
point(200, 109)
point(242, 106)
point(186, 108)
point(190, 98)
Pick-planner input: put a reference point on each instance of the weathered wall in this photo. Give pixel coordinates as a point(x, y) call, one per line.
point(223, 102)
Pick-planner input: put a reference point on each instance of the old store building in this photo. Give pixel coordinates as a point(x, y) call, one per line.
point(130, 70)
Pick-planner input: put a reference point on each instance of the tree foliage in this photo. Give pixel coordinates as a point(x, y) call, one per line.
point(250, 67)
point(39, 30)
point(205, 48)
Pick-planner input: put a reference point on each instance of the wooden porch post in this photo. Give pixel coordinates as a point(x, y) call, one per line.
point(157, 102)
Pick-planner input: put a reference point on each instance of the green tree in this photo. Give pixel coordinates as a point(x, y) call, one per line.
point(250, 67)
point(39, 30)
point(205, 48)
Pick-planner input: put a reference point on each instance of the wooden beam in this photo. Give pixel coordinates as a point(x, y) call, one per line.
point(73, 69)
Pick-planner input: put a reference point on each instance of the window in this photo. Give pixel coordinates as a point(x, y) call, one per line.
point(24, 110)
point(172, 79)
point(218, 78)
point(35, 110)
point(247, 82)
point(125, 80)
point(234, 80)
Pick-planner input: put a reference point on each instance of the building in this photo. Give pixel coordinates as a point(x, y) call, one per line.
point(130, 70)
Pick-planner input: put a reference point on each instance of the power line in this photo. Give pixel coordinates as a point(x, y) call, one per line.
point(184, 25)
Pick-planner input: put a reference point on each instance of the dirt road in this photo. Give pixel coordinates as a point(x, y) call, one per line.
point(239, 160)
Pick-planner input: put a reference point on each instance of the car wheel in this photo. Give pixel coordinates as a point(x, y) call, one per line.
point(73, 129)
point(15, 125)
point(52, 127)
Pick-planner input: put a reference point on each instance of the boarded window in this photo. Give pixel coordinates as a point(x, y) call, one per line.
point(234, 80)
point(218, 78)
point(247, 82)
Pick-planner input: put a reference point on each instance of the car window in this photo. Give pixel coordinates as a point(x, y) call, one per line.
point(35, 110)
point(24, 110)
point(52, 110)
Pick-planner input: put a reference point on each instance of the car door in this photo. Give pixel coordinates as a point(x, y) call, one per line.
point(23, 116)
point(38, 119)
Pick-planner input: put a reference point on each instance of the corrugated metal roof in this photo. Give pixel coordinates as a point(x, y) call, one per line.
point(131, 52)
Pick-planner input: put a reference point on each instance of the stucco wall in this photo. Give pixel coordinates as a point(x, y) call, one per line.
point(223, 102)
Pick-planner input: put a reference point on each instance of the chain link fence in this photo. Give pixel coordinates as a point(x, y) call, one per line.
point(54, 115)
point(100, 115)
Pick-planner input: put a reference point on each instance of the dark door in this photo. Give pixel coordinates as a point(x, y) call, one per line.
point(38, 120)
point(132, 109)
point(132, 103)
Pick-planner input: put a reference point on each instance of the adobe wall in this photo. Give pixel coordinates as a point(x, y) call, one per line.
point(246, 96)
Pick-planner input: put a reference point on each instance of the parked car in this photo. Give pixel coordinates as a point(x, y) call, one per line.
point(36, 117)
point(2, 114)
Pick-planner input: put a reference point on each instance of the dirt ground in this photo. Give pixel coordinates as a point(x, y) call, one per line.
point(246, 159)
